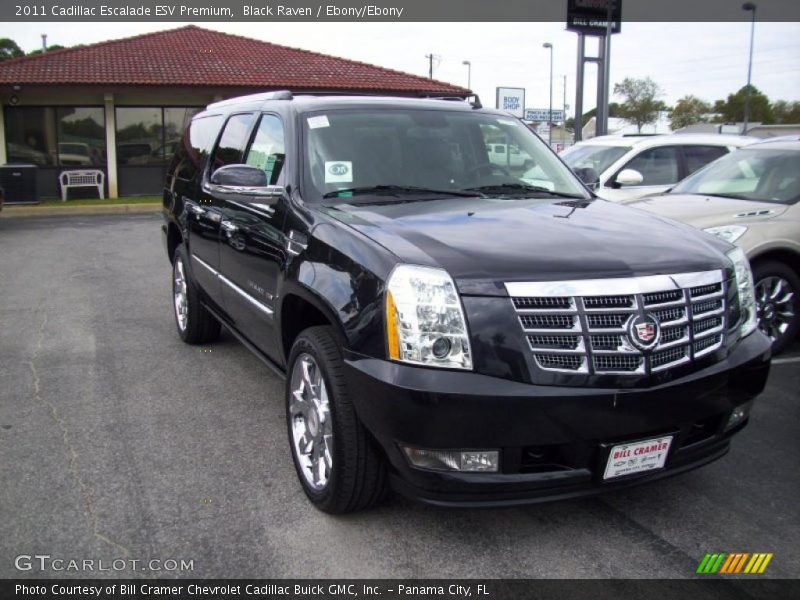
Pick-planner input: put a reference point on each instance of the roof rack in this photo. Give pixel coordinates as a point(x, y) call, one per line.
point(260, 97)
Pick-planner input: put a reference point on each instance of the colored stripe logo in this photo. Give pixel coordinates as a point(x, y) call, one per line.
point(734, 563)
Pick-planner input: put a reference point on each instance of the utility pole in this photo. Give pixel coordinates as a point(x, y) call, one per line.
point(564, 113)
point(549, 46)
point(749, 6)
point(44, 42)
point(430, 64)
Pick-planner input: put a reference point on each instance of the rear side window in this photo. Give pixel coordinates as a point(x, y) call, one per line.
point(267, 152)
point(658, 166)
point(232, 142)
point(700, 156)
point(194, 146)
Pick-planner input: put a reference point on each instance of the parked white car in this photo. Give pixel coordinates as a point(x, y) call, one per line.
point(507, 156)
point(632, 167)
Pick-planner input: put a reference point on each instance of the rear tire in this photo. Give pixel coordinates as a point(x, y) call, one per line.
point(337, 462)
point(778, 300)
point(194, 323)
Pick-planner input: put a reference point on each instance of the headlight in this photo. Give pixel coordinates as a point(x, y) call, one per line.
point(747, 294)
point(729, 233)
point(425, 324)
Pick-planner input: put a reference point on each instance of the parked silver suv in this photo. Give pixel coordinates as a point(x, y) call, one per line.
point(631, 166)
point(751, 197)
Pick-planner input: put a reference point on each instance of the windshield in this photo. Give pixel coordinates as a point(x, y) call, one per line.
point(420, 153)
point(749, 174)
point(592, 156)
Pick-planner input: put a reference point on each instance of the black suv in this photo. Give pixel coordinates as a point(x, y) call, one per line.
point(468, 331)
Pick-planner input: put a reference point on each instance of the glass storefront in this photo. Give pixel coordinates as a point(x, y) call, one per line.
point(72, 137)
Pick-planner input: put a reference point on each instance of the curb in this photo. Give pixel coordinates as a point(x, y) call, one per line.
point(11, 212)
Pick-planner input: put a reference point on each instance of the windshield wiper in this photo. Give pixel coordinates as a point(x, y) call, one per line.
point(398, 190)
point(506, 188)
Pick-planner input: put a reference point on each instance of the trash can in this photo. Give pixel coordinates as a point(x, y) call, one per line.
point(19, 184)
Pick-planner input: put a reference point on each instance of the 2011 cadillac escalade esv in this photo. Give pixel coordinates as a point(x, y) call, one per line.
point(468, 332)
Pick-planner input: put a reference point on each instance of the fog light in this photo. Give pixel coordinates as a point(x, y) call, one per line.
point(738, 415)
point(467, 461)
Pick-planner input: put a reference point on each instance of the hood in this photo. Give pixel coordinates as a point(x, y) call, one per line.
point(707, 211)
point(484, 242)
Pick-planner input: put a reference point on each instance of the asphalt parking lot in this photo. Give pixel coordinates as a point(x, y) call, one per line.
point(119, 441)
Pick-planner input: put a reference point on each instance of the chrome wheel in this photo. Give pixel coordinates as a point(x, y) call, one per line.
point(775, 303)
point(310, 419)
point(179, 293)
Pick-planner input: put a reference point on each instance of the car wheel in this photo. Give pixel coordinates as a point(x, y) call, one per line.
point(195, 324)
point(338, 464)
point(778, 302)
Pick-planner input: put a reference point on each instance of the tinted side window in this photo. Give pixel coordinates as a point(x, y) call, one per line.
point(658, 166)
point(194, 146)
point(267, 152)
point(700, 156)
point(232, 142)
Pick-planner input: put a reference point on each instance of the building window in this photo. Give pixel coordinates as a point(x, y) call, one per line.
point(31, 135)
point(64, 136)
point(148, 136)
point(81, 136)
point(140, 136)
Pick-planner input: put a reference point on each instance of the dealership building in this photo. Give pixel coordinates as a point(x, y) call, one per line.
point(120, 106)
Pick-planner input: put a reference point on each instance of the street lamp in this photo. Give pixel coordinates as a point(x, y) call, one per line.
point(549, 46)
point(469, 73)
point(749, 7)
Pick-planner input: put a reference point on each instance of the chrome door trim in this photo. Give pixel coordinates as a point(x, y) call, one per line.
point(259, 305)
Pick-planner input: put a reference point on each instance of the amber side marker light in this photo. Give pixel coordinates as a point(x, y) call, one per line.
point(391, 327)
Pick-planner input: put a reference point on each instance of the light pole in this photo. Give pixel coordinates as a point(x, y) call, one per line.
point(549, 46)
point(469, 73)
point(749, 7)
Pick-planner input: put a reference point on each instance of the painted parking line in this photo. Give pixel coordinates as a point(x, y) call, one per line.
point(786, 361)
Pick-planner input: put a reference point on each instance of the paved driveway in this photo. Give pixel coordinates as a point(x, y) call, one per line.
point(119, 441)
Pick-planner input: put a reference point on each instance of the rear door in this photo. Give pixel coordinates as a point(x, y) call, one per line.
point(253, 245)
point(696, 156)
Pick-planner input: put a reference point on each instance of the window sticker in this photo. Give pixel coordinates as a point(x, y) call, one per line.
point(338, 171)
point(318, 121)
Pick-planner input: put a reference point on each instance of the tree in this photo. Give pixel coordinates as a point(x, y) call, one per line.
point(641, 104)
point(732, 109)
point(688, 111)
point(9, 49)
point(786, 112)
point(49, 49)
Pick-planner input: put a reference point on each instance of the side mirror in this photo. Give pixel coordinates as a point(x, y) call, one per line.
point(629, 177)
point(587, 175)
point(244, 180)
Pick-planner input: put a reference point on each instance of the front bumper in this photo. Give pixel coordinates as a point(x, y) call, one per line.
point(554, 441)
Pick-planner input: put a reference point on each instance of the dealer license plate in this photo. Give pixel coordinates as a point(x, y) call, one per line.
point(637, 457)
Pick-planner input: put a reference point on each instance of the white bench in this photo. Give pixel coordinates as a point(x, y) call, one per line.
point(81, 178)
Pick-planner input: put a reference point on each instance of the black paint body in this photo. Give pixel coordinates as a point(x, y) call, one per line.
point(341, 263)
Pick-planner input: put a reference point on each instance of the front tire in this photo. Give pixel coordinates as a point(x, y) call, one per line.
point(778, 302)
point(337, 462)
point(194, 323)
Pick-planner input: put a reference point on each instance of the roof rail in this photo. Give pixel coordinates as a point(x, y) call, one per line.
point(474, 103)
point(263, 96)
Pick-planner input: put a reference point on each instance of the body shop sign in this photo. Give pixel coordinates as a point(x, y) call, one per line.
point(511, 100)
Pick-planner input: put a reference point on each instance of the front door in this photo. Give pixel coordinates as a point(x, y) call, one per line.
point(252, 247)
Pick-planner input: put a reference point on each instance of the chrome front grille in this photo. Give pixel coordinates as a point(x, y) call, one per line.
point(583, 326)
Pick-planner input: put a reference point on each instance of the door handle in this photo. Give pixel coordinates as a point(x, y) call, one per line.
point(196, 209)
point(229, 227)
point(264, 208)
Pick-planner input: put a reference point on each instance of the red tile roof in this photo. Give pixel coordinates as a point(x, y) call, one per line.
point(193, 56)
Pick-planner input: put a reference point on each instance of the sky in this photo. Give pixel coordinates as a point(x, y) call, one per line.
point(708, 60)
